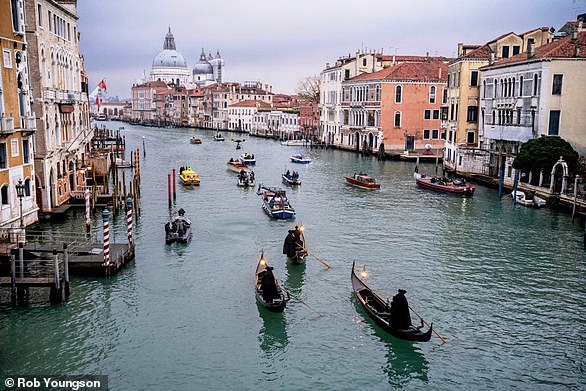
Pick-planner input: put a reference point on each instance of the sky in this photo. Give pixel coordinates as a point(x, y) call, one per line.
point(281, 42)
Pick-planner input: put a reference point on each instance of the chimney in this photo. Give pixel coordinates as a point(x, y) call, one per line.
point(530, 44)
point(460, 49)
point(580, 24)
point(327, 65)
point(491, 58)
point(439, 73)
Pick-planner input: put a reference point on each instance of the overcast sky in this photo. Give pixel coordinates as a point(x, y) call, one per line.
point(282, 42)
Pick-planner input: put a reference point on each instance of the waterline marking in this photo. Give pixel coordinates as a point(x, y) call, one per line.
point(61, 382)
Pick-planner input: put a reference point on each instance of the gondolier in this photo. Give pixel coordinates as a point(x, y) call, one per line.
point(400, 317)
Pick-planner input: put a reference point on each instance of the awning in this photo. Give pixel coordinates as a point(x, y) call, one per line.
point(66, 108)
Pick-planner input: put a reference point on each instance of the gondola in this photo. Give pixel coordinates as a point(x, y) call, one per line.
point(380, 311)
point(178, 230)
point(277, 304)
point(294, 246)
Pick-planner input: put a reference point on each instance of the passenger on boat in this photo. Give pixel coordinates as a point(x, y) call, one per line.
point(400, 316)
point(268, 284)
point(251, 176)
point(288, 174)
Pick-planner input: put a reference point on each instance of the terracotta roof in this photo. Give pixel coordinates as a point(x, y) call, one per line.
point(155, 84)
point(502, 36)
point(562, 48)
point(537, 29)
point(398, 58)
point(164, 91)
point(252, 103)
point(409, 71)
point(482, 52)
point(196, 93)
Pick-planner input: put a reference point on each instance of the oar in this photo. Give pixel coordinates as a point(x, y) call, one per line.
point(323, 262)
point(427, 324)
point(302, 302)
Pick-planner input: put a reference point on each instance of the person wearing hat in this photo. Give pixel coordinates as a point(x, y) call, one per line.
point(400, 316)
point(269, 285)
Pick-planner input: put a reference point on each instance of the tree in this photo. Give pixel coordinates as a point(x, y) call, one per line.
point(308, 88)
point(543, 153)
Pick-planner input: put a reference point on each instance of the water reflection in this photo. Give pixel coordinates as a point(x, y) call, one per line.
point(273, 340)
point(405, 361)
point(295, 277)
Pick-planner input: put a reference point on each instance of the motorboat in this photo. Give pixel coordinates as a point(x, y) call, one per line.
point(247, 159)
point(188, 176)
point(362, 180)
point(521, 198)
point(444, 184)
point(294, 143)
point(291, 178)
point(275, 203)
point(245, 179)
point(219, 137)
point(194, 140)
point(236, 165)
point(300, 158)
point(178, 230)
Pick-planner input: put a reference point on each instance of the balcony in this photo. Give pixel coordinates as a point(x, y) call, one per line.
point(6, 125)
point(28, 124)
point(508, 133)
point(49, 94)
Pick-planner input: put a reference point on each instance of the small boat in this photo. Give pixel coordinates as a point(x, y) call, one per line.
point(294, 143)
point(195, 140)
point(188, 177)
point(247, 159)
point(522, 199)
point(178, 230)
point(291, 178)
point(245, 179)
point(444, 184)
point(300, 158)
point(379, 310)
point(275, 203)
point(538, 201)
point(294, 245)
point(236, 165)
point(121, 163)
point(219, 137)
point(362, 180)
point(274, 300)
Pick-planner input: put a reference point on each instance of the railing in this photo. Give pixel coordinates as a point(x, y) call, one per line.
point(49, 94)
point(28, 123)
point(7, 125)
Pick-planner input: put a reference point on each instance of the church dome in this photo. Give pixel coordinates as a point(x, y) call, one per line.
point(169, 56)
point(203, 67)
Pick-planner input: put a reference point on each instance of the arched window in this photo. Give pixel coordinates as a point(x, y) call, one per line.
point(398, 94)
point(4, 194)
point(432, 94)
point(495, 88)
point(521, 86)
point(377, 93)
point(27, 187)
point(397, 119)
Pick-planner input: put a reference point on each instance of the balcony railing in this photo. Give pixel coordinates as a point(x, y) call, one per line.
point(6, 125)
point(508, 132)
point(49, 94)
point(28, 123)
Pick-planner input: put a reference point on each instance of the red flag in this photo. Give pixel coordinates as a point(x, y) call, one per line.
point(102, 85)
point(98, 102)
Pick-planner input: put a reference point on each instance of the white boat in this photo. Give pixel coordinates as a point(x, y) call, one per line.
point(522, 198)
point(300, 158)
point(219, 137)
point(294, 143)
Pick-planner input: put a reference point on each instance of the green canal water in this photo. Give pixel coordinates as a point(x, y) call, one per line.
point(504, 285)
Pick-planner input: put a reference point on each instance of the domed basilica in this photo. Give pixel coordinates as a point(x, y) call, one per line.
point(170, 66)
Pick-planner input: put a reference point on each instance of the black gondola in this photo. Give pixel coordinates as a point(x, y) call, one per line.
point(380, 311)
point(178, 230)
point(275, 302)
point(294, 245)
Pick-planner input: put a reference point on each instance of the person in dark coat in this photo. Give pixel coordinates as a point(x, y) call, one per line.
point(289, 245)
point(269, 285)
point(400, 316)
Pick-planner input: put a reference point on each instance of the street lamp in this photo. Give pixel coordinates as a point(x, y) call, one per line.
point(20, 195)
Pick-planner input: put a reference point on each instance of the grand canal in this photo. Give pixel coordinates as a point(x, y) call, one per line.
point(504, 285)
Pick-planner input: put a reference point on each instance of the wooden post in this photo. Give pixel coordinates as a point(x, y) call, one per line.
point(174, 185)
point(13, 279)
point(169, 189)
point(143, 147)
point(21, 289)
point(105, 217)
point(576, 180)
point(66, 270)
point(55, 294)
point(87, 211)
point(515, 187)
point(129, 219)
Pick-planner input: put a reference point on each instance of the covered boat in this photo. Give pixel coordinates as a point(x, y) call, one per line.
point(444, 184)
point(178, 230)
point(379, 310)
point(268, 290)
point(294, 245)
point(236, 165)
point(275, 203)
point(188, 176)
point(362, 180)
point(522, 198)
point(246, 179)
point(195, 140)
point(247, 159)
point(299, 157)
point(294, 143)
point(291, 178)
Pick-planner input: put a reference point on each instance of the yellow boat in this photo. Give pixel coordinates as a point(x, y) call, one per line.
point(188, 176)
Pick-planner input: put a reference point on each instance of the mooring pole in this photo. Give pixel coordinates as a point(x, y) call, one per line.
point(13, 278)
point(66, 270)
point(129, 219)
point(174, 185)
point(169, 188)
point(575, 195)
point(87, 211)
point(515, 187)
point(105, 218)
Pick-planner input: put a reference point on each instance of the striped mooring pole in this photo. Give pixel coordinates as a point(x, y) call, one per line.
point(105, 217)
point(129, 219)
point(87, 210)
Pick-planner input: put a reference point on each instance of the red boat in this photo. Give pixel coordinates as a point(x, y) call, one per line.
point(362, 180)
point(444, 184)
